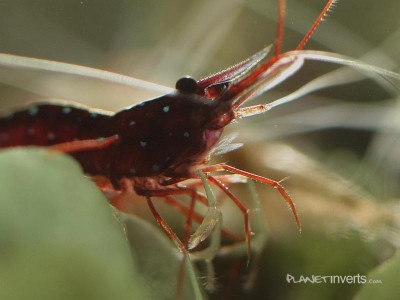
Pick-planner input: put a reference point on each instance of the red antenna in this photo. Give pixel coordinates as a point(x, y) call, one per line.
point(316, 23)
point(280, 27)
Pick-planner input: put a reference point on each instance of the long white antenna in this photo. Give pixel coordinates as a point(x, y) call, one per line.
point(23, 62)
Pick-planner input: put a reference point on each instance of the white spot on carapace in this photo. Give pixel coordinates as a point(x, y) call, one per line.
point(33, 110)
point(30, 131)
point(66, 110)
point(155, 168)
point(186, 134)
point(131, 123)
point(143, 143)
point(101, 138)
point(165, 108)
point(132, 171)
point(51, 136)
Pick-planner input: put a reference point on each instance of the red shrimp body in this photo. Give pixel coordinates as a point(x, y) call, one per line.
point(50, 124)
point(168, 136)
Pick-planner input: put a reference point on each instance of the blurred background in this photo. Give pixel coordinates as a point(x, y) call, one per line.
point(338, 146)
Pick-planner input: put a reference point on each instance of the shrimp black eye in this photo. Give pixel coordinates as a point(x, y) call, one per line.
point(186, 84)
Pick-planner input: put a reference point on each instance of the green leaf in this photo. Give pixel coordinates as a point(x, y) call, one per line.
point(59, 238)
point(384, 281)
